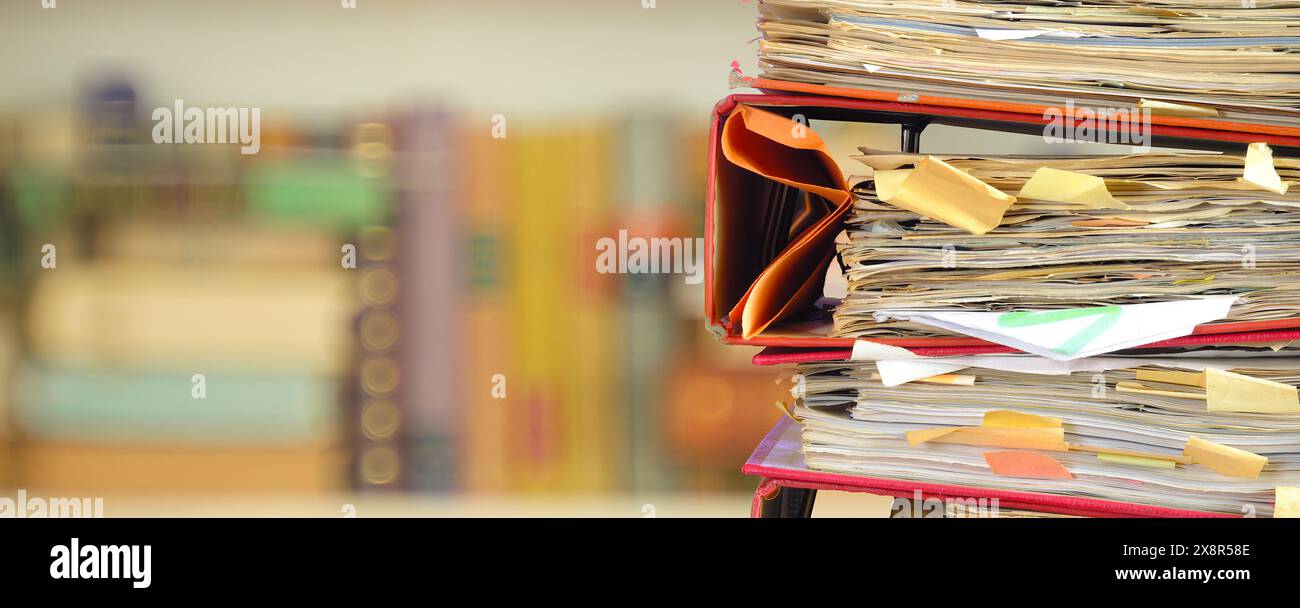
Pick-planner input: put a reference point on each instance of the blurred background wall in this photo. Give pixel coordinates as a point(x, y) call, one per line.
point(397, 295)
point(496, 55)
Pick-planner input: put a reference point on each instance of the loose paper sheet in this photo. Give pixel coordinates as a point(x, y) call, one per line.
point(1073, 333)
point(894, 372)
point(1259, 169)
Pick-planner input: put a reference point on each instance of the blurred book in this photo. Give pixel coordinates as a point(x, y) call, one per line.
point(226, 242)
point(485, 460)
point(191, 318)
point(326, 192)
point(122, 407)
point(428, 254)
point(9, 357)
point(649, 207)
point(74, 470)
point(564, 416)
point(592, 414)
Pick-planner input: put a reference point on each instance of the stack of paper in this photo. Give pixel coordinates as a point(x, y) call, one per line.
point(935, 238)
point(1074, 261)
point(1198, 58)
point(1144, 434)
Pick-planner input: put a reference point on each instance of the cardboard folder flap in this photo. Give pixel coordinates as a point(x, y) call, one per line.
point(783, 150)
point(788, 152)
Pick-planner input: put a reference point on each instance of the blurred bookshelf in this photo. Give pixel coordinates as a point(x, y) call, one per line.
point(202, 333)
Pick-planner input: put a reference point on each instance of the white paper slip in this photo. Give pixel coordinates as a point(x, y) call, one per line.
point(1073, 333)
point(894, 372)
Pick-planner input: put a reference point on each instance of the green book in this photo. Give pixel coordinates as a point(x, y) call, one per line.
point(326, 193)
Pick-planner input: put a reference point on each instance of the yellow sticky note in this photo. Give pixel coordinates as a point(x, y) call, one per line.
point(938, 190)
point(1165, 108)
point(1004, 419)
point(950, 379)
point(1139, 461)
point(1209, 279)
point(1122, 452)
point(1229, 392)
point(1134, 387)
point(1024, 439)
point(1259, 169)
point(889, 181)
point(915, 438)
point(1071, 187)
point(1286, 502)
point(1171, 377)
point(1224, 459)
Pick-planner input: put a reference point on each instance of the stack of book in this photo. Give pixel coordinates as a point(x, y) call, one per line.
point(185, 321)
point(1085, 334)
point(186, 368)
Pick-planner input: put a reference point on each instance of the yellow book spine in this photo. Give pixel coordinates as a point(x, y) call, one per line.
point(537, 291)
point(592, 414)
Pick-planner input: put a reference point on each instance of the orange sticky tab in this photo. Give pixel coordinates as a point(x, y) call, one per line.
point(1005, 419)
point(1224, 459)
point(1026, 464)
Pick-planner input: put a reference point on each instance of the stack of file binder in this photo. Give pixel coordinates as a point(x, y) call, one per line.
point(1192, 58)
point(1089, 335)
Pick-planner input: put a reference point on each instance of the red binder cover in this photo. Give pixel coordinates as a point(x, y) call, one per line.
point(730, 271)
point(1202, 336)
point(779, 462)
